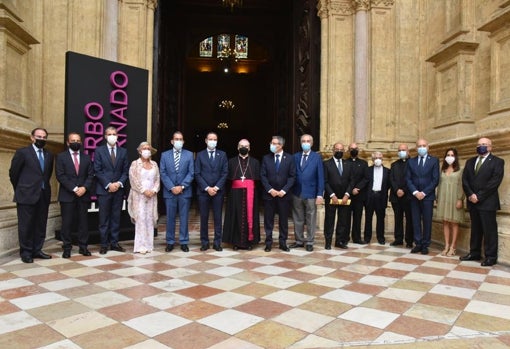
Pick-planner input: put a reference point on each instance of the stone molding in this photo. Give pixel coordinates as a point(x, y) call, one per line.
point(11, 23)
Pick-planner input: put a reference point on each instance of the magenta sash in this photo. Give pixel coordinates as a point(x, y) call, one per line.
point(249, 184)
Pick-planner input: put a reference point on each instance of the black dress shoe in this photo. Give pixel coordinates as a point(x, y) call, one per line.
point(204, 247)
point(341, 245)
point(117, 248)
point(268, 248)
point(397, 243)
point(381, 242)
point(360, 242)
point(103, 250)
point(424, 250)
point(235, 248)
point(184, 248)
point(250, 247)
point(327, 246)
point(284, 247)
point(409, 245)
point(169, 247)
point(41, 255)
point(416, 249)
point(470, 257)
point(309, 248)
point(295, 245)
point(218, 248)
point(488, 262)
point(66, 254)
point(85, 252)
point(27, 259)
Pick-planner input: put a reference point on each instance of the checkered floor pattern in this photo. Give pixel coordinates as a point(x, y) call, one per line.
point(368, 295)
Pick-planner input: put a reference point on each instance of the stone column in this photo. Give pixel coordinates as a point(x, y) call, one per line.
point(361, 101)
point(110, 30)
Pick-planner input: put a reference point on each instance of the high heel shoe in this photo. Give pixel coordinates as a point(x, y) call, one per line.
point(445, 251)
point(451, 252)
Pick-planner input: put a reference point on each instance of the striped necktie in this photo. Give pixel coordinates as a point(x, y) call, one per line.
point(177, 159)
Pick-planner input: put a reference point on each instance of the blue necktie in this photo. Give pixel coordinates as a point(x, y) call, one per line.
point(211, 155)
point(277, 162)
point(41, 159)
point(340, 169)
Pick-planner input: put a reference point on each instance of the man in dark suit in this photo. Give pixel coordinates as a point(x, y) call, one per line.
point(277, 175)
point(481, 179)
point(211, 169)
point(377, 198)
point(422, 178)
point(338, 182)
point(307, 193)
point(111, 168)
point(30, 173)
point(75, 173)
point(400, 199)
point(359, 192)
point(177, 172)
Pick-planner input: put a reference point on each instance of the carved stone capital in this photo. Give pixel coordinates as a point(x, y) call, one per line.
point(361, 5)
point(383, 3)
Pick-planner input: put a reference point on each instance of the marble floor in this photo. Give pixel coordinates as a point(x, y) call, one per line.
point(365, 296)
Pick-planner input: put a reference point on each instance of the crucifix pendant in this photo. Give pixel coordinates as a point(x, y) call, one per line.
point(242, 178)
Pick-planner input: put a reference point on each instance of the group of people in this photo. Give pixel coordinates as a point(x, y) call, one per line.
point(288, 184)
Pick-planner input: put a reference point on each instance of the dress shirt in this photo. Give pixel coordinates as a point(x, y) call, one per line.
point(378, 174)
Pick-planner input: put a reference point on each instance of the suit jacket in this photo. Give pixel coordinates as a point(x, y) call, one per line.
point(485, 183)
point(27, 177)
point(360, 176)
point(385, 184)
point(171, 178)
point(423, 178)
point(211, 173)
point(282, 180)
point(398, 179)
point(309, 178)
point(336, 184)
point(106, 172)
point(68, 179)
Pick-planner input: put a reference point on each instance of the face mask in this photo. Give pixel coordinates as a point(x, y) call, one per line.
point(338, 154)
point(211, 144)
point(481, 149)
point(272, 148)
point(178, 145)
point(354, 153)
point(111, 139)
point(402, 154)
point(378, 162)
point(449, 159)
point(306, 146)
point(146, 153)
point(75, 146)
point(422, 151)
point(40, 143)
point(243, 151)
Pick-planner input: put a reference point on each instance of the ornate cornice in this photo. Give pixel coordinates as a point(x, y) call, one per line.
point(383, 3)
point(449, 51)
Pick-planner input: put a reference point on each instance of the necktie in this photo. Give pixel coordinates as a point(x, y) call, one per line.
point(478, 164)
point(112, 154)
point(277, 162)
point(211, 155)
point(41, 159)
point(76, 163)
point(420, 161)
point(177, 158)
point(41, 162)
point(303, 159)
point(340, 169)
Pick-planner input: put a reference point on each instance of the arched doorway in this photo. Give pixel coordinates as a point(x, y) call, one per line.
point(268, 96)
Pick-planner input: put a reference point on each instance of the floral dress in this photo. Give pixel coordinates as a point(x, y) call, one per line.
point(143, 210)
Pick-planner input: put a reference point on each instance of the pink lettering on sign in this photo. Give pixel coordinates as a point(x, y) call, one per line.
point(93, 128)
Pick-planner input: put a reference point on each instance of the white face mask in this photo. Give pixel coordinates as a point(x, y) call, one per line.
point(212, 144)
point(378, 162)
point(146, 153)
point(449, 159)
point(178, 145)
point(111, 139)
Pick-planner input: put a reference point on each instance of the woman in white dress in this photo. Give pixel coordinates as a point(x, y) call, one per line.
point(143, 200)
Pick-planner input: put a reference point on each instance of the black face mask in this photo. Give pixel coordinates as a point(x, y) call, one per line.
point(40, 143)
point(75, 146)
point(243, 151)
point(354, 153)
point(338, 154)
